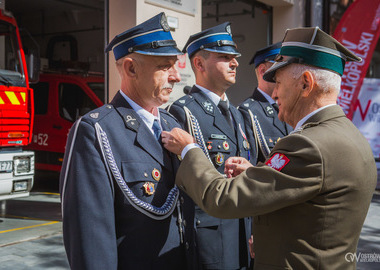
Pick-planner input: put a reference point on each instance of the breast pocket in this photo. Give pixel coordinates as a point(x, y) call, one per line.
point(219, 151)
point(142, 178)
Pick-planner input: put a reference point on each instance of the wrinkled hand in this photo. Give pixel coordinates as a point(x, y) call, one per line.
point(235, 166)
point(251, 251)
point(176, 140)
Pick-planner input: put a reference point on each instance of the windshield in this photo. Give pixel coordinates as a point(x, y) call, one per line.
point(98, 88)
point(11, 72)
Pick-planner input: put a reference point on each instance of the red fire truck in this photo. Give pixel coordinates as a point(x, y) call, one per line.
point(61, 97)
point(16, 113)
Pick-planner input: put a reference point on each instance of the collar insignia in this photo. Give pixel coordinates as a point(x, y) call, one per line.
point(269, 110)
point(208, 106)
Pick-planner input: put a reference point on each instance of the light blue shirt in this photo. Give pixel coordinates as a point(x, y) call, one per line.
point(267, 97)
point(211, 95)
point(146, 116)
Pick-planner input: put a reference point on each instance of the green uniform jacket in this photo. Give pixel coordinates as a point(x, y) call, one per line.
point(309, 203)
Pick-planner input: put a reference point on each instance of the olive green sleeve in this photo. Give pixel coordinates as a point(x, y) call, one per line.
point(259, 189)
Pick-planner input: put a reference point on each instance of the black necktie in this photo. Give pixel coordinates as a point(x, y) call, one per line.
point(275, 106)
point(223, 107)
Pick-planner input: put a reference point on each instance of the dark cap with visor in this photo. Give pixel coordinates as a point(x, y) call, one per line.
point(215, 39)
point(151, 37)
point(311, 46)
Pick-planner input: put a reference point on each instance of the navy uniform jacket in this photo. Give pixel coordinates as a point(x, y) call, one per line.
point(217, 239)
point(273, 129)
point(101, 229)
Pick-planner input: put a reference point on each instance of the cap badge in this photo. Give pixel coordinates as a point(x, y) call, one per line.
point(219, 159)
point(277, 162)
point(164, 23)
point(226, 146)
point(246, 105)
point(94, 115)
point(182, 101)
point(228, 29)
point(156, 174)
point(149, 188)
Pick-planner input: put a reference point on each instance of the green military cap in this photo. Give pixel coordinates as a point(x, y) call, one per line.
point(311, 46)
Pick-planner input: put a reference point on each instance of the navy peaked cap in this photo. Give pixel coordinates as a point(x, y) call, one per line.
point(266, 54)
point(151, 37)
point(215, 39)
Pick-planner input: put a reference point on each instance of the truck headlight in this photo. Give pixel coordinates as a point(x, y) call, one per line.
point(22, 165)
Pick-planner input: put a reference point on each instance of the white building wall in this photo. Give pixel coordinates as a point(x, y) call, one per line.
point(249, 33)
point(125, 14)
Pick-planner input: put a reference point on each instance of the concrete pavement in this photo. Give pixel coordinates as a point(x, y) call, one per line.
point(41, 247)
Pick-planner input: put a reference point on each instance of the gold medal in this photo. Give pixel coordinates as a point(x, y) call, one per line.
point(226, 146)
point(156, 174)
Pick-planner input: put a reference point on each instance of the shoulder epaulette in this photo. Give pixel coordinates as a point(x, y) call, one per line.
point(183, 101)
point(246, 103)
point(98, 113)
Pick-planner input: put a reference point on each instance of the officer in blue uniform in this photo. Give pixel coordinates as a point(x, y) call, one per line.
point(120, 207)
point(260, 111)
point(222, 243)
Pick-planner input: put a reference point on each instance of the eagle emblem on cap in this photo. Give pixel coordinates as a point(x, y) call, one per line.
point(164, 23)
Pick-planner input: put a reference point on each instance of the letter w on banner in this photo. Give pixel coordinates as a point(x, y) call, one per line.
point(358, 30)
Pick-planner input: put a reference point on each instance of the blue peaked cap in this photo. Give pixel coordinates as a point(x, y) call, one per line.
point(151, 37)
point(216, 39)
point(266, 54)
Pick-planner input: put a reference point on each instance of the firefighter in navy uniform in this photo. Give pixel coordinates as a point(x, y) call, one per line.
point(222, 243)
point(120, 207)
point(260, 111)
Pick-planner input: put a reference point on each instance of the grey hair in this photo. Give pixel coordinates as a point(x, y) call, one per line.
point(325, 79)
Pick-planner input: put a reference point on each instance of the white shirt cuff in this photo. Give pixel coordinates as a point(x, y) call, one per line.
point(187, 148)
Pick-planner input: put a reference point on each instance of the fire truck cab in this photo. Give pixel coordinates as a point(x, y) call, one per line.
point(16, 112)
point(60, 99)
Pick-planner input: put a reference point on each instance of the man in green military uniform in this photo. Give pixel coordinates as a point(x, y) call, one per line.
point(311, 196)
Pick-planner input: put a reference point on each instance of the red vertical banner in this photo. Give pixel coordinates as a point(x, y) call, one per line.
point(358, 30)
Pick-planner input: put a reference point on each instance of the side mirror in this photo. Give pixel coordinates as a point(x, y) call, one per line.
point(32, 55)
point(33, 63)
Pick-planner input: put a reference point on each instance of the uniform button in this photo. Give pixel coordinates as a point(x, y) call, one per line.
point(187, 245)
point(182, 200)
point(184, 222)
point(145, 174)
point(198, 222)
